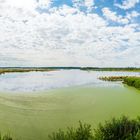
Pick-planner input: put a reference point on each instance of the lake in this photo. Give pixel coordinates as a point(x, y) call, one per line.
point(42, 81)
point(34, 104)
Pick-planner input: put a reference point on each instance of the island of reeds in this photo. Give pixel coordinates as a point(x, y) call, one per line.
point(129, 80)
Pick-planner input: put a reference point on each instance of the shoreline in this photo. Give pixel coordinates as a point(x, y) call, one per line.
point(4, 70)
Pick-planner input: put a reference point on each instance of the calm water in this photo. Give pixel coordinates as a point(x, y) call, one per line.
point(35, 116)
point(41, 81)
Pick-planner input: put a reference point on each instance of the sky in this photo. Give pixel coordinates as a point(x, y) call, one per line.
point(98, 33)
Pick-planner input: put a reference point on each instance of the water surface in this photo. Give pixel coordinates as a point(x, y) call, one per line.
point(42, 81)
point(88, 99)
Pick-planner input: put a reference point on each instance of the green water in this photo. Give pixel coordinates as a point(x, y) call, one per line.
point(34, 116)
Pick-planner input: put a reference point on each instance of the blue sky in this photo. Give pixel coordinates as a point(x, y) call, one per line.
point(102, 33)
point(99, 4)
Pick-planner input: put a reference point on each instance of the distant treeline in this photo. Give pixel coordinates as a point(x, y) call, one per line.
point(81, 68)
point(28, 69)
point(111, 68)
point(11, 70)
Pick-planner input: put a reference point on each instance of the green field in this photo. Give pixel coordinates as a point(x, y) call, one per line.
point(32, 116)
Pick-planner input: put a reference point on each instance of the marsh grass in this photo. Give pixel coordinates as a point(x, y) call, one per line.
point(132, 81)
point(113, 78)
point(118, 129)
point(83, 132)
point(122, 128)
point(5, 137)
point(13, 70)
point(115, 129)
point(129, 80)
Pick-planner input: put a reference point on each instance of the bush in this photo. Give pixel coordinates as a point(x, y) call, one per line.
point(118, 129)
point(5, 137)
point(83, 132)
point(115, 129)
point(132, 81)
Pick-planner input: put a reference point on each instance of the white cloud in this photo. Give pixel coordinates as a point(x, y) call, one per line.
point(133, 14)
point(89, 4)
point(127, 4)
point(114, 17)
point(64, 37)
point(44, 3)
point(27, 4)
point(78, 3)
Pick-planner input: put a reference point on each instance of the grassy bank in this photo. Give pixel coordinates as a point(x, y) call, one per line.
point(132, 81)
point(11, 70)
point(5, 137)
point(131, 69)
point(112, 78)
point(129, 80)
point(28, 69)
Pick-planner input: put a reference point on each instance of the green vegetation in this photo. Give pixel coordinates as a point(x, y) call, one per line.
point(133, 69)
point(5, 137)
point(119, 129)
point(112, 78)
point(28, 69)
point(10, 70)
point(132, 81)
point(83, 132)
point(115, 129)
point(129, 80)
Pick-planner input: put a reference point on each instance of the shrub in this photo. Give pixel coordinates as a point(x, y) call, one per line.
point(115, 129)
point(5, 137)
point(132, 81)
point(83, 132)
point(118, 129)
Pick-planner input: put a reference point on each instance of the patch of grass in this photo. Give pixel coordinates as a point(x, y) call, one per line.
point(115, 129)
point(129, 80)
point(5, 137)
point(132, 81)
point(11, 70)
point(83, 132)
point(112, 78)
point(118, 129)
point(132, 69)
